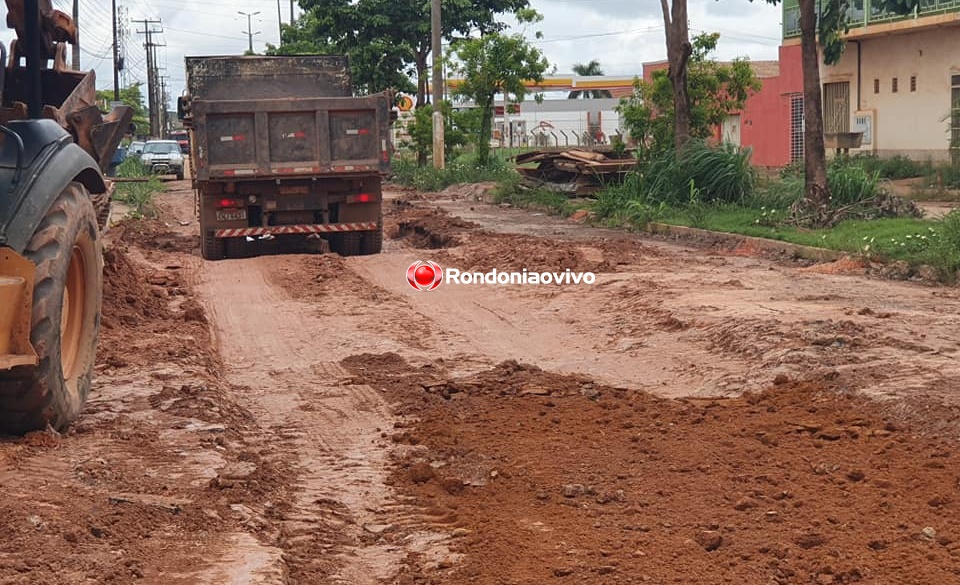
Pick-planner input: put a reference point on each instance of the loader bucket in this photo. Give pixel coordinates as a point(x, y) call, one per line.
point(70, 98)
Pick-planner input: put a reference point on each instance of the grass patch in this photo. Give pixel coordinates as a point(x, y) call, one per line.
point(512, 191)
point(137, 194)
point(912, 240)
point(406, 172)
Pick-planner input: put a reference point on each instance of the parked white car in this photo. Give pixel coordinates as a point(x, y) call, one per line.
point(163, 157)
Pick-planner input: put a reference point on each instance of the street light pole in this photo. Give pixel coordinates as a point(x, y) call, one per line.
point(438, 138)
point(250, 32)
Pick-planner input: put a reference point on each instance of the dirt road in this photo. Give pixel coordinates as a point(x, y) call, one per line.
point(697, 415)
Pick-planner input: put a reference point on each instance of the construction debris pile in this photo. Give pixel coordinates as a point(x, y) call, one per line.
point(574, 171)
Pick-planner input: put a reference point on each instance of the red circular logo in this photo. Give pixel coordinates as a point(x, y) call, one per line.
point(424, 275)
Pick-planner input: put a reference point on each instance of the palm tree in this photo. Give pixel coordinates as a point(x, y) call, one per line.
point(591, 69)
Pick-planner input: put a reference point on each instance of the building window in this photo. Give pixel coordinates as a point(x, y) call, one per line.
point(893, 86)
point(876, 86)
point(913, 83)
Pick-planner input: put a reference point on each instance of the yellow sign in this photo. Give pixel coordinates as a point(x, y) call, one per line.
point(405, 103)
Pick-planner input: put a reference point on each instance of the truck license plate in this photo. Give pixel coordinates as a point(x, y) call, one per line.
point(237, 215)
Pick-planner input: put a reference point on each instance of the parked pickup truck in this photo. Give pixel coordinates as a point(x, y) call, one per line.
point(284, 157)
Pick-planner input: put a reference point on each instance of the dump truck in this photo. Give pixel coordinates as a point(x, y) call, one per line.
point(55, 145)
point(284, 157)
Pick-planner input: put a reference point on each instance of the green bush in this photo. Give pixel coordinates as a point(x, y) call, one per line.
point(946, 248)
point(944, 177)
point(851, 184)
point(893, 168)
point(721, 175)
point(131, 167)
point(612, 203)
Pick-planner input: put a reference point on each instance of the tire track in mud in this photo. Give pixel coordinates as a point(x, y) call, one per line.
point(341, 523)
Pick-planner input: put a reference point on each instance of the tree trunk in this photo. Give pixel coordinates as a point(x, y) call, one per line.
point(486, 124)
point(420, 61)
point(815, 207)
point(679, 50)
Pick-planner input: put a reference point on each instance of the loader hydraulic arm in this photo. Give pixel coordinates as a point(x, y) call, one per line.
point(32, 89)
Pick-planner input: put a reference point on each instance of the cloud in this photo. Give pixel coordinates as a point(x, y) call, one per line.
point(621, 35)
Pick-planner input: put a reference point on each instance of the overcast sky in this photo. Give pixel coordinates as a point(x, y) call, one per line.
point(620, 34)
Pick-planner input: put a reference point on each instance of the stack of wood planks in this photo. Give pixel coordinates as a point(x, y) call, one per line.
point(574, 171)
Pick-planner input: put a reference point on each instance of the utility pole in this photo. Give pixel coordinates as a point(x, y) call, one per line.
point(116, 54)
point(152, 88)
point(76, 45)
point(163, 106)
point(291, 13)
point(250, 32)
point(279, 25)
point(437, 93)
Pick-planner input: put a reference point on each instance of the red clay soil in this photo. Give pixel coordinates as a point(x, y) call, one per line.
point(558, 479)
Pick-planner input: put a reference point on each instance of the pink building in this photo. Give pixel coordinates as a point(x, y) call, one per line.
point(771, 123)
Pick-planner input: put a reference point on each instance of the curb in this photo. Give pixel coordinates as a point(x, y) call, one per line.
point(762, 244)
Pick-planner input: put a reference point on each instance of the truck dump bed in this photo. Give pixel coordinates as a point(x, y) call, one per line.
point(270, 137)
point(267, 117)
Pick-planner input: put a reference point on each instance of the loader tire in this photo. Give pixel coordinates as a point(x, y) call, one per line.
point(67, 297)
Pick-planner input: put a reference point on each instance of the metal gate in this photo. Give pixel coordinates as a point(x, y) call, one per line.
point(836, 107)
point(796, 127)
point(955, 120)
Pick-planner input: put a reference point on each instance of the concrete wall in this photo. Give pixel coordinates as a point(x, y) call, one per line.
point(910, 123)
point(765, 120)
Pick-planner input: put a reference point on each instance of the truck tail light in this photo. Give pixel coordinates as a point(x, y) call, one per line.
point(361, 198)
point(224, 203)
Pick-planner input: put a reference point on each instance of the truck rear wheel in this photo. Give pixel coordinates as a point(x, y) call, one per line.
point(372, 242)
point(67, 296)
point(212, 247)
point(348, 244)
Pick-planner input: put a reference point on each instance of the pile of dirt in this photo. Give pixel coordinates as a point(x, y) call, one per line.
point(424, 228)
point(514, 252)
point(153, 234)
point(148, 316)
point(800, 483)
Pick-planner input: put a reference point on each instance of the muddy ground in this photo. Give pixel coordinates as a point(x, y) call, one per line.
point(697, 415)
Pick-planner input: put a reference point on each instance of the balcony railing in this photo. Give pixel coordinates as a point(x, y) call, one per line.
point(867, 14)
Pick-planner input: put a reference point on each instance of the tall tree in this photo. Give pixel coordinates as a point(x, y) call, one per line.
point(591, 69)
point(715, 89)
point(824, 32)
point(130, 96)
point(388, 38)
point(377, 63)
point(679, 50)
point(491, 64)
